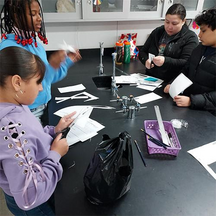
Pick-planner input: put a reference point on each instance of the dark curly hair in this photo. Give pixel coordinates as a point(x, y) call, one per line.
point(208, 17)
point(14, 12)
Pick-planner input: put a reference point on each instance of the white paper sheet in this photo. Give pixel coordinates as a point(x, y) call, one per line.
point(67, 110)
point(125, 79)
point(77, 133)
point(82, 128)
point(102, 107)
point(78, 87)
point(83, 116)
point(66, 47)
point(82, 113)
point(147, 98)
point(206, 155)
point(180, 83)
point(139, 79)
point(149, 88)
point(62, 99)
point(151, 56)
point(91, 97)
point(82, 95)
point(150, 81)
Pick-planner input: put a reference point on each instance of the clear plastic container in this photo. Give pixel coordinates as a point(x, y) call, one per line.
point(179, 123)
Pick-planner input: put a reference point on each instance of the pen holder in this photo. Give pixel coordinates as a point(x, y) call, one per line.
point(152, 128)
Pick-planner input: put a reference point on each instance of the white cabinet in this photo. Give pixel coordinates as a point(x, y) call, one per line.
point(145, 9)
point(61, 11)
point(104, 9)
point(193, 7)
point(122, 10)
point(1, 4)
point(115, 10)
point(209, 4)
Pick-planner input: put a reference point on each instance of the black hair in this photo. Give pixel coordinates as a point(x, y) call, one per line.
point(177, 9)
point(208, 17)
point(18, 61)
point(14, 13)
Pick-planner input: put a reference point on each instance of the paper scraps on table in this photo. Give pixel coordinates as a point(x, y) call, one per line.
point(82, 95)
point(73, 88)
point(82, 134)
point(149, 83)
point(67, 110)
point(180, 83)
point(140, 80)
point(146, 87)
point(147, 98)
point(206, 156)
point(124, 79)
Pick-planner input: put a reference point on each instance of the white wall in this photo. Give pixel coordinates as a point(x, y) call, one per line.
point(86, 35)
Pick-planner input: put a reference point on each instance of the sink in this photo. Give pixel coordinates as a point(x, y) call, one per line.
point(102, 82)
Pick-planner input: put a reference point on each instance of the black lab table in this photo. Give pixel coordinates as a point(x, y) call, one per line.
point(167, 186)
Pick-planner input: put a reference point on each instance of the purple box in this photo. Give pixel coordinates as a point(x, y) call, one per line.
point(152, 128)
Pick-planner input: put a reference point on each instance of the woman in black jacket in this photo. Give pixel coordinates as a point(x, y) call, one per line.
point(171, 43)
point(201, 68)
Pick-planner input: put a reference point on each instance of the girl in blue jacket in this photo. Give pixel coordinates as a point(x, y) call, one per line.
point(22, 25)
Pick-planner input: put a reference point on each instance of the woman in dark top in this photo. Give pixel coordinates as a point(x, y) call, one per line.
point(201, 68)
point(171, 44)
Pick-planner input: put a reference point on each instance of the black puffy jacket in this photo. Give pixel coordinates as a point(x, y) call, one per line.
point(175, 58)
point(203, 75)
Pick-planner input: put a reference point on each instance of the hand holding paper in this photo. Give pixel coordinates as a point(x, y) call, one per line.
point(182, 101)
point(67, 48)
point(180, 83)
point(82, 128)
point(72, 53)
point(64, 122)
point(150, 56)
